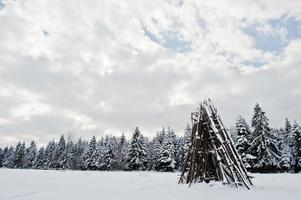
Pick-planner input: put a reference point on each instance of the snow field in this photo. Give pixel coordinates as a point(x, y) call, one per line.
point(86, 185)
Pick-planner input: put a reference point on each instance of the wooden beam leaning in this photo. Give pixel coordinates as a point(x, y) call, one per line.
point(212, 155)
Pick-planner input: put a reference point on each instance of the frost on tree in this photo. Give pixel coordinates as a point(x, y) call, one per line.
point(167, 153)
point(284, 139)
point(18, 157)
point(137, 155)
point(88, 158)
point(121, 153)
point(242, 141)
point(264, 145)
point(50, 148)
point(38, 162)
point(30, 155)
point(296, 148)
point(212, 155)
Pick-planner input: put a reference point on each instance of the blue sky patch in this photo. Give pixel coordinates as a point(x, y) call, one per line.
point(45, 33)
point(171, 39)
point(2, 4)
point(276, 42)
point(254, 63)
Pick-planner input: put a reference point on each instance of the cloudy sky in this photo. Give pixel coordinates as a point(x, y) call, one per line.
point(106, 66)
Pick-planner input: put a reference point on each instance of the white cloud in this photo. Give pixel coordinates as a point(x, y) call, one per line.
point(106, 66)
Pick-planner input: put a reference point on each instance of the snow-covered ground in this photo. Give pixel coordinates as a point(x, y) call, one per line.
point(86, 185)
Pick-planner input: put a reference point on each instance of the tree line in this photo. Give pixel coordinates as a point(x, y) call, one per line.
point(165, 152)
point(262, 149)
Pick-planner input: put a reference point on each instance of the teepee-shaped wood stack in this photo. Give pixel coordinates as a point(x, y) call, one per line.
point(212, 155)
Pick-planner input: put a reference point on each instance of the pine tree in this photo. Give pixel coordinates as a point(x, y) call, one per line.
point(38, 162)
point(263, 146)
point(59, 156)
point(62, 158)
point(284, 137)
point(153, 149)
point(8, 159)
point(49, 155)
point(157, 144)
point(19, 154)
point(87, 159)
point(1, 157)
point(98, 157)
point(296, 148)
point(109, 159)
point(79, 149)
point(242, 140)
point(70, 156)
point(185, 143)
point(121, 153)
point(177, 148)
point(30, 155)
point(136, 158)
point(167, 154)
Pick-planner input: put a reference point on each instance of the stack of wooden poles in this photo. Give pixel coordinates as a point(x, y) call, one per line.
point(212, 155)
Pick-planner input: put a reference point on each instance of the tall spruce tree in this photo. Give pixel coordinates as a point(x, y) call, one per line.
point(8, 159)
point(295, 144)
point(79, 149)
point(39, 160)
point(62, 153)
point(49, 155)
point(167, 154)
point(88, 162)
point(19, 153)
point(109, 159)
point(136, 158)
point(30, 155)
point(242, 140)
point(185, 144)
point(263, 146)
point(121, 153)
point(1, 157)
point(70, 156)
point(284, 138)
point(154, 150)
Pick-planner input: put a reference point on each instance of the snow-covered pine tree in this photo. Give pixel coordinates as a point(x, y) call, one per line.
point(98, 161)
point(144, 143)
point(121, 153)
point(180, 157)
point(150, 155)
point(284, 138)
point(87, 159)
point(39, 160)
point(177, 148)
point(263, 146)
point(8, 159)
point(288, 126)
point(167, 154)
point(109, 156)
point(242, 141)
point(184, 145)
point(157, 143)
point(153, 150)
point(59, 157)
point(79, 148)
point(136, 158)
point(19, 154)
point(62, 158)
point(70, 155)
point(1, 157)
point(30, 155)
point(49, 155)
point(295, 144)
